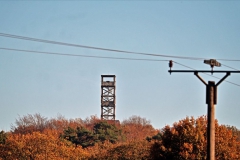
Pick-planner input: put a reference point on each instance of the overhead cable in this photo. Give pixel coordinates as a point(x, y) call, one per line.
point(102, 57)
point(95, 48)
point(230, 67)
point(78, 55)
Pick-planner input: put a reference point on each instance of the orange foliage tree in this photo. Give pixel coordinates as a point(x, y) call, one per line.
point(38, 146)
point(227, 143)
point(125, 150)
point(35, 137)
point(186, 139)
point(137, 128)
point(130, 150)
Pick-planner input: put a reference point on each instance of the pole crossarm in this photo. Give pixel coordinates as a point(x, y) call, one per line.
point(206, 71)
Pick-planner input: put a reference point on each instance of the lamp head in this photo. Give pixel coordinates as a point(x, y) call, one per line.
point(212, 63)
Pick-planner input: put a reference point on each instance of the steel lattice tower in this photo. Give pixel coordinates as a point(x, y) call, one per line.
point(108, 97)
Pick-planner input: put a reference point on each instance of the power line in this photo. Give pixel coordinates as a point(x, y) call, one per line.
point(230, 67)
point(77, 55)
point(91, 47)
point(102, 57)
point(97, 48)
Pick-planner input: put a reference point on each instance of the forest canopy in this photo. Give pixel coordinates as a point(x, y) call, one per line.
point(35, 137)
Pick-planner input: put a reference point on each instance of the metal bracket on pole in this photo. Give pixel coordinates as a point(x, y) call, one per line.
point(228, 74)
point(196, 74)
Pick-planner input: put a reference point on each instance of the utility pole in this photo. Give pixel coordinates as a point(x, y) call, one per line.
point(211, 100)
point(211, 94)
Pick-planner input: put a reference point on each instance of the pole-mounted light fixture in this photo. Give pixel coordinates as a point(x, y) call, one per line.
point(212, 63)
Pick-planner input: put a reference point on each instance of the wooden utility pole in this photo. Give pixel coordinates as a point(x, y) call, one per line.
point(211, 100)
point(211, 94)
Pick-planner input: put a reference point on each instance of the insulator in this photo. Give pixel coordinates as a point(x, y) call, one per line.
point(170, 63)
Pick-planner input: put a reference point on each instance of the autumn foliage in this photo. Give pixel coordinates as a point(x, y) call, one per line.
point(34, 137)
point(187, 139)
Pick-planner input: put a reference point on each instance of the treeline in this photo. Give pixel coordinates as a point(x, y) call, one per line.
point(34, 137)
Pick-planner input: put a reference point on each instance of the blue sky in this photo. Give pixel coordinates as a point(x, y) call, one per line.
point(51, 85)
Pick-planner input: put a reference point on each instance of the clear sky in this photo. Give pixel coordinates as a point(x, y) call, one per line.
point(71, 86)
